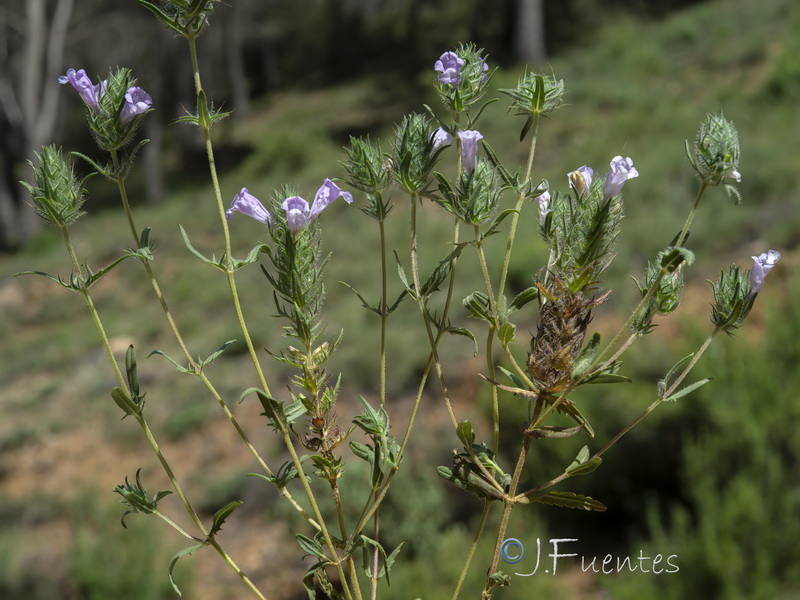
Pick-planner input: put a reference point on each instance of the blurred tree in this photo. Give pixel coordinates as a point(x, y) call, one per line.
point(31, 48)
point(530, 32)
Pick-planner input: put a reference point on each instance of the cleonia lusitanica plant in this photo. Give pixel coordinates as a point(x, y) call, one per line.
point(579, 219)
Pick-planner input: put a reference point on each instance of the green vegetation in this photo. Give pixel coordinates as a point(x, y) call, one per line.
point(711, 479)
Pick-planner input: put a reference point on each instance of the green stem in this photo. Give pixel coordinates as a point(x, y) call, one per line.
point(212, 167)
point(507, 508)
point(179, 338)
point(515, 217)
point(490, 339)
point(646, 299)
point(140, 418)
point(484, 517)
point(655, 404)
point(76, 267)
point(234, 294)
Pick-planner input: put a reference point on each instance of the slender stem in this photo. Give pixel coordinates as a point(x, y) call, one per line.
point(384, 310)
point(507, 508)
point(515, 217)
point(76, 267)
point(484, 517)
point(140, 418)
point(655, 404)
point(212, 167)
point(175, 526)
point(490, 339)
point(646, 299)
point(179, 338)
point(243, 326)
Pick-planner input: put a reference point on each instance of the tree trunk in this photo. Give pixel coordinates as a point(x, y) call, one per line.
point(530, 31)
point(29, 108)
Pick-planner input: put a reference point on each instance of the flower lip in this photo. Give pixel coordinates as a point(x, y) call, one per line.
point(89, 92)
point(247, 204)
point(622, 170)
point(762, 265)
point(449, 66)
point(137, 102)
point(297, 213)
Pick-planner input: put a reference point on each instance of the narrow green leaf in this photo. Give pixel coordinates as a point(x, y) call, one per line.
point(688, 389)
point(552, 432)
point(513, 377)
point(570, 500)
point(310, 546)
point(466, 333)
point(524, 297)
point(178, 367)
point(364, 303)
point(195, 252)
point(58, 280)
point(496, 223)
point(131, 370)
point(586, 356)
point(465, 433)
point(222, 514)
point(186, 551)
point(587, 467)
point(506, 333)
point(215, 354)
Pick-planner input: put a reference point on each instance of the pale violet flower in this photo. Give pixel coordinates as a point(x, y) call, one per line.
point(543, 200)
point(621, 170)
point(137, 101)
point(88, 91)
point(449, 67)
point(734, 174)
point(469, 148)
point(298, 212)
point(247, 204)
point(580, 180)
point(762, 265)
point(441, 138)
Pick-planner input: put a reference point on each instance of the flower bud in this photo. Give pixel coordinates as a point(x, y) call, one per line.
point(536, 94)
point(715, 153)
point(469, 148)
point(543, 200)
point(56, 193)
point(580, 180)
point(463, 76)
point(478, 193)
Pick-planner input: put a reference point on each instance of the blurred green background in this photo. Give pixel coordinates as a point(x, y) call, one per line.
point(713, 479)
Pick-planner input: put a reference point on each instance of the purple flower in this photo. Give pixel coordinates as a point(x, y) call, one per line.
point(621, 170)
point(485, 70)
point(449, 65)
point(247, 204)
point(137, 102)
point(469, 148)
point(298, 212)
point(441, 138)
point(762, 265)
point(543, 200)
point(580, 180)
point(89, 92)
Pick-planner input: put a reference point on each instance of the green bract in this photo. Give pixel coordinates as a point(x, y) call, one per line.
point(57, 194)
